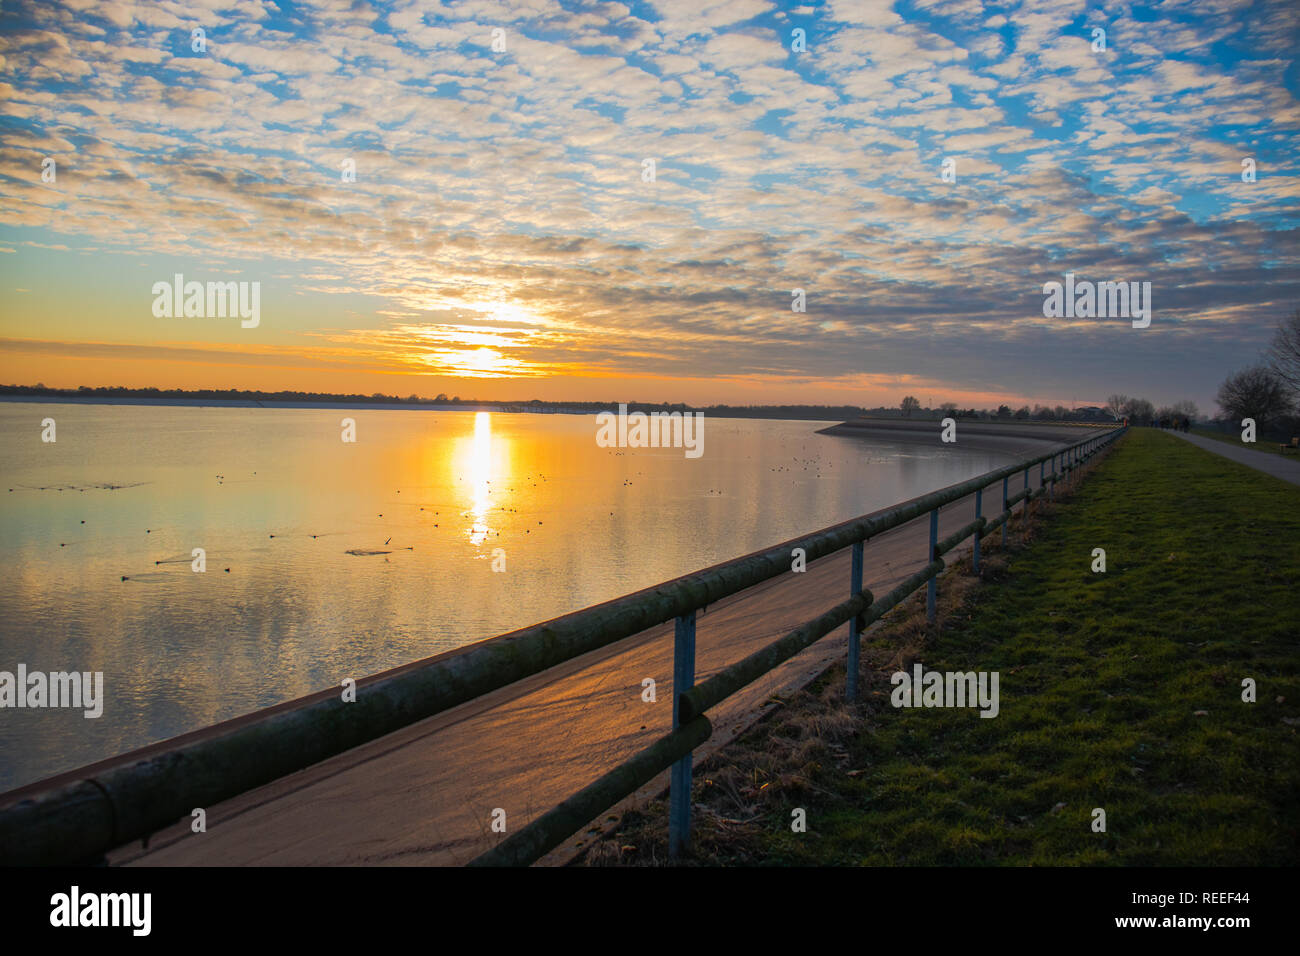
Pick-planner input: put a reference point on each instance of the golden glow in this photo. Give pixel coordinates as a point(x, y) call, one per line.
point(450, 335)
point(473, 363)
point(480, 481)
point(509, 312)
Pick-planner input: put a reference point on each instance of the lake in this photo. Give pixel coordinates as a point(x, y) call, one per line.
point(328, 559)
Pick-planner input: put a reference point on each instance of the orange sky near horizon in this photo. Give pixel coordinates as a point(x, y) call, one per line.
point(288, 369)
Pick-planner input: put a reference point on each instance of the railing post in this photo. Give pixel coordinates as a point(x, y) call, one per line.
point(1024, 509)
point(979, 506)
point(855, 588)
point(1042, 478)
point(679, 797)
point(932, 589)
point(1005, 517)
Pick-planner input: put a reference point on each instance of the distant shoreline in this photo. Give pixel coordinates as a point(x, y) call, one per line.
point(1008, 438)
point(811, 414)
point(247, 403)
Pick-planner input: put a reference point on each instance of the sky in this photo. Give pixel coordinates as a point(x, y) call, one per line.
point(609, 201)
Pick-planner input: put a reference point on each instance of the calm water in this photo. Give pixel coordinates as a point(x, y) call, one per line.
point(276, 497)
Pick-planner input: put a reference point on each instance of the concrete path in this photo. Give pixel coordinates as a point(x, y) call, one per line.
point(426, 794)
point(1286, 467)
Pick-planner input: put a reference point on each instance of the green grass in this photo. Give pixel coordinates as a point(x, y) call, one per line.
point(1267, 445)
point(1101, 676)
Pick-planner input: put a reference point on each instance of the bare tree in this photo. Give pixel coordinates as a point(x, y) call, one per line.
point(909, 404)
point(1187, 408)
point(1284, 352)
point(1256, 392)
point(1138, 411)
point(1115, 404)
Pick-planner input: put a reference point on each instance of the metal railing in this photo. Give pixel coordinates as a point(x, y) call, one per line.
point(691, 727)
point(79, 816)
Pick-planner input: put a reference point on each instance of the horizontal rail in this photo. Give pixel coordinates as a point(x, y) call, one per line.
point(550, 829)
point(79, 816)
point(960, 535)
point(998, 521)
point(723, 684)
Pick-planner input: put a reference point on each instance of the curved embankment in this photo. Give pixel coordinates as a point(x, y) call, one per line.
point(1008, 438)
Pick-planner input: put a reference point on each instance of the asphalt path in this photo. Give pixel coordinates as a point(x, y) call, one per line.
point(1286, 467)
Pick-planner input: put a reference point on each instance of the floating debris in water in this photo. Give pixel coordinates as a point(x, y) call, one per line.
point(93, 486)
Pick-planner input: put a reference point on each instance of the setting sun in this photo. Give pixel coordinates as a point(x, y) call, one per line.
point(474, 363)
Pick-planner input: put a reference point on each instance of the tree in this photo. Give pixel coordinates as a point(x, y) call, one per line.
point(1138, 411)
point(1284, 351)
point(1187, 409)
point(1115, 405)
point(909, 404)
point(1004, 412)
point(1060, 411)
point(949, 410)
point(1257, 392)
point(442, 397)
point(1022, 412)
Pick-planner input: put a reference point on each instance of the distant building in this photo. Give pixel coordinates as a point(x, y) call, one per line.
point(1091, 413)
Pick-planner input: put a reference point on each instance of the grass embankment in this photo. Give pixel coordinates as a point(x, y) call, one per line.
point(1269, 446)
point(1120, 690)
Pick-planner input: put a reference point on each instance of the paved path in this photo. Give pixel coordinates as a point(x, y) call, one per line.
point(425, 794)
point(1286, 467)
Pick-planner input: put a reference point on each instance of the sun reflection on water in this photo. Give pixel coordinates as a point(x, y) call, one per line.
point(480, 470)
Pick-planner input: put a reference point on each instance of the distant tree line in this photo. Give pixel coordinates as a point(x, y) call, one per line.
point(1139, 411)
point(216, 395)
point(1268, 391)
point(911, 406)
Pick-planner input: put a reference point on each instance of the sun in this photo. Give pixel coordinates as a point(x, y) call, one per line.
point(475, 363)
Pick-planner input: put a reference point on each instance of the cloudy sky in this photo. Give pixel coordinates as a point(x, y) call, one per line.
point(501, 239)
